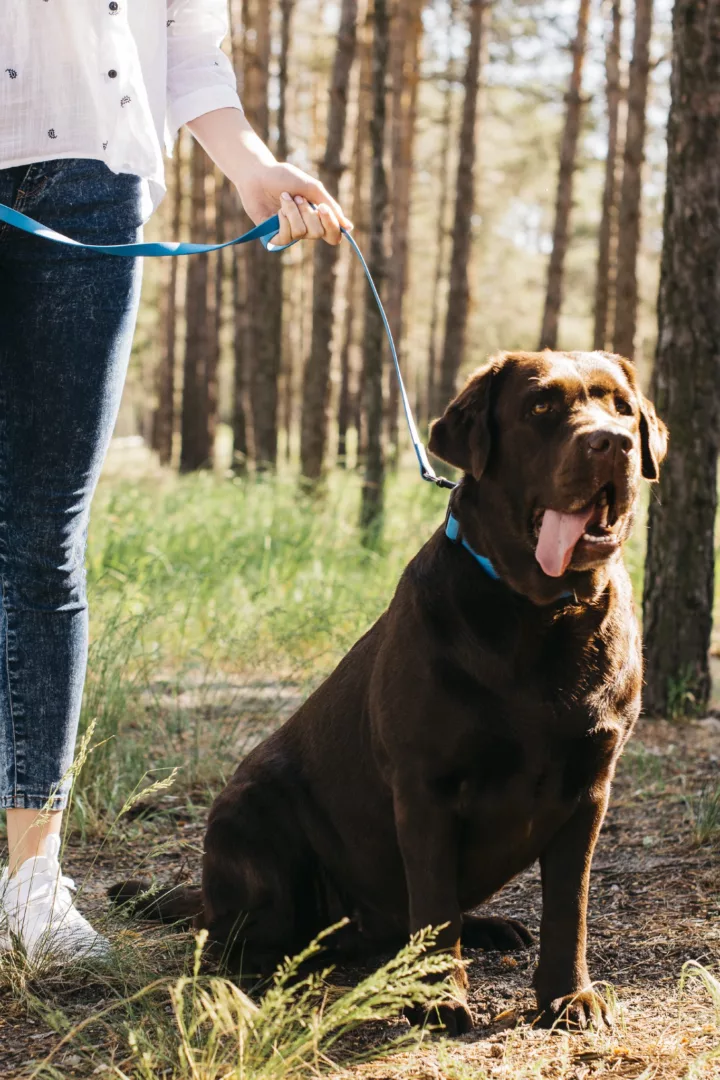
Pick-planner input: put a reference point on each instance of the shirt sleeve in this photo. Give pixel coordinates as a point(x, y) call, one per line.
point(200, 77)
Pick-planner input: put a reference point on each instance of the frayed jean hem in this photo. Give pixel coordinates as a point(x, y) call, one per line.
point(33, 802)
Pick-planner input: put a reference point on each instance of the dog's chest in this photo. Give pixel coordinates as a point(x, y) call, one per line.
point(538, 738)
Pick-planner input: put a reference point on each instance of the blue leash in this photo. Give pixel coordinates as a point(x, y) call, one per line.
point(263, 232)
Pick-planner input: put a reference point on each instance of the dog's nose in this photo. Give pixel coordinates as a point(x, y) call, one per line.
point(608, 443)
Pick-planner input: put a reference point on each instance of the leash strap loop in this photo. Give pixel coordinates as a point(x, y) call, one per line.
point(264, 232)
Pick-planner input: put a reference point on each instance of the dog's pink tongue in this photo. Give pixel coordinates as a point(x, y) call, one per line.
point(559, 533)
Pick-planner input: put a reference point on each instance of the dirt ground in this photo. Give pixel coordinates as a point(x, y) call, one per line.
point(655, 904)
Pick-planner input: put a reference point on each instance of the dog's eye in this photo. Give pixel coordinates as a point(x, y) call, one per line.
point(623, 406)
point(541, 408)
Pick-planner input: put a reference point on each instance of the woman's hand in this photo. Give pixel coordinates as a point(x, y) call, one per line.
point(285, 190)
point(265, 185)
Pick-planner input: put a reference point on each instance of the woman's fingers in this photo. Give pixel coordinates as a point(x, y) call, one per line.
point(298, 228)
point(316, 193)
point(284, 235)
point(311, 218)
point(330, 223)
point(299, 219)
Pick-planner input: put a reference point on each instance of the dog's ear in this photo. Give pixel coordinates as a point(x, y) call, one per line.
point(462, 435)
point(653, 432)
point(653, 439)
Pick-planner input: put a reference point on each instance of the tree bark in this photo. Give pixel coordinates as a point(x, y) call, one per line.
point(373, 351)
point(607, 236)
point(362, 213)
point(563, 202)
point(459, 292)
point(164, 417)
point(404, 74)
point(626, 289)
point(264, 271)
point(316, 376)
point(348, 397)
point(286, 13)
point(679, 570)
point(440, 228)
point(241, 452)
point(223, 216)
point(195, 450)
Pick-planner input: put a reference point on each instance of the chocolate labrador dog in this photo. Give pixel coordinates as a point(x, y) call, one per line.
point(476, 726)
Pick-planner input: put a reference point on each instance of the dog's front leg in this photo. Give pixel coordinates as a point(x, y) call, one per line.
point(562, 981)
point(428, 844)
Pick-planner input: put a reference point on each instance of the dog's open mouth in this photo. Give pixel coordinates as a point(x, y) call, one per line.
point(559, 532)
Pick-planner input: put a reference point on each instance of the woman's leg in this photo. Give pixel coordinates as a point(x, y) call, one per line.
point(66, 323)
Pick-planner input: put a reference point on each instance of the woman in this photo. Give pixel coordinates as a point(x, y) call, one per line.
point(87, 90)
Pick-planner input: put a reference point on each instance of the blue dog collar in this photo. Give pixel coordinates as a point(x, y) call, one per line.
point(452, 531)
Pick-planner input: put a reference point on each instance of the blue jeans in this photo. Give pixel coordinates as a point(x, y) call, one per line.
point(66, 323)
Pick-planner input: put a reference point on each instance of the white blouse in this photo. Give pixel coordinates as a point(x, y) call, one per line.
point(109, 79)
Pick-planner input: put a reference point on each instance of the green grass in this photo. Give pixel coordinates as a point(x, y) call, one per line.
point(217, 603)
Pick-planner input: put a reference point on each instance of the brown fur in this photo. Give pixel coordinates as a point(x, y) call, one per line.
point(476, 726)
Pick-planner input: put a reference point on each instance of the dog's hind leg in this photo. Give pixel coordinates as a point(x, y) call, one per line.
point(494, 934)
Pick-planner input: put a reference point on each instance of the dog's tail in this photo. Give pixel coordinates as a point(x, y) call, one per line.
point(180, 905)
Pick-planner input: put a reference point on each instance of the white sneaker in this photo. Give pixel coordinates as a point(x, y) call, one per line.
point(39, 912)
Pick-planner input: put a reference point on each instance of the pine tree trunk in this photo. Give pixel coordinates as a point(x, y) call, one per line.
point(164, 418)
point(241, 331)
point(678, 600)
point(241, 350)
point(223, 215)
point(362, 212)
point(607, 236)
point(344, 397)
point(626, 298)
point(347, 399)
point(440, 229)
point(264, 271)
point(404, 74)
point(459, 292)
point(286, 12)
point(373, 346)
point(195, 443)
point(316, 376)
point(563, 202)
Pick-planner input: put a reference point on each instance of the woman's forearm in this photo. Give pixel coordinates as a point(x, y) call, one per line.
point(227, 136)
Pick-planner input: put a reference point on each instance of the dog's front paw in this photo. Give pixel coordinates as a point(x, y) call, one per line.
point(575, 1012)
point(495, 934)
point(454, 1016)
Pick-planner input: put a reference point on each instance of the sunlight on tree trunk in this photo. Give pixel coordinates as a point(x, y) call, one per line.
point(164, 416)
point(316, 377)
point(404, 74)
point(679, 571)
point(458, 290)
point(441, 228)
point(374, 343)
point(563, 202)
point(264, 279)
point(626, 289)
point(607, 236)
point(195, 450)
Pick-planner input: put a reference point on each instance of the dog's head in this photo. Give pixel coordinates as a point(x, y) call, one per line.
point(553, 446)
